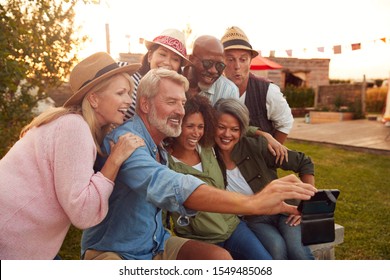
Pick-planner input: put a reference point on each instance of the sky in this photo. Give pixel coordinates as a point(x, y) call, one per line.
point(301, 26)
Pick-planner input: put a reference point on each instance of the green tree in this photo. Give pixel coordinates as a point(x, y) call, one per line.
point(39, 43)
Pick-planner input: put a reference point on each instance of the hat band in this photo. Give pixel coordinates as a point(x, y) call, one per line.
point(236, 42)
point(101, 72)
point(173, 43)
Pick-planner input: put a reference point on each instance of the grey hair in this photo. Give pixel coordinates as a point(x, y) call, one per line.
point(235, 108)
point(150, 83)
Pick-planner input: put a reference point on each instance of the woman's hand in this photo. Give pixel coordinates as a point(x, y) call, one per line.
point(124, 147)
point(120, 151)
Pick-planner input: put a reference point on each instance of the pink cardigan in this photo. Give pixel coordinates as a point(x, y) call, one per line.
point(47, 183)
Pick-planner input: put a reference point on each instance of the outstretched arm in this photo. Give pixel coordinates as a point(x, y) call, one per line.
point(269, 201)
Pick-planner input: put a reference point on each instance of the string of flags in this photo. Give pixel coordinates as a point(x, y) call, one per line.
point(335, 49)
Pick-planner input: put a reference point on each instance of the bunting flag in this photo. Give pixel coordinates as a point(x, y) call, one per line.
point(337, 49)
point(356, 46)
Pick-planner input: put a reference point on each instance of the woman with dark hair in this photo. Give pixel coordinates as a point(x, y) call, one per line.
point(167, 50)
point(248, 167)
point(192, 153)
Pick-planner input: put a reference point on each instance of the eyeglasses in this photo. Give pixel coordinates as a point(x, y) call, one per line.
point(208, 63)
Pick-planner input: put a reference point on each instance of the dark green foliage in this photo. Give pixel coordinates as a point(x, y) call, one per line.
point(37, 50)
point(299, 97)
point(338, 81)
point(378, 82)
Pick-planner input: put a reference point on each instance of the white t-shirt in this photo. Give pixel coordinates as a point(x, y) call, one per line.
point(197, 166)
point(236, 182)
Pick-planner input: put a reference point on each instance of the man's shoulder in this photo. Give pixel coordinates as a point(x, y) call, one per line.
point(224, 80)
point(132, 125)
point(259, 79)
point(226, 85)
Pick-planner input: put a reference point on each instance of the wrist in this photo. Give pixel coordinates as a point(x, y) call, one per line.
point(250, 205)
point(113, 161)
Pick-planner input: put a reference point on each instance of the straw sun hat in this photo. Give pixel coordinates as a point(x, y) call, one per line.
point(91, 71)
point(234, 38)
point(173, 40)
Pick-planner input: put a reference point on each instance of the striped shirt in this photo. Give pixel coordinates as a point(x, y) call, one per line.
point(136, 78)
point(221, 88)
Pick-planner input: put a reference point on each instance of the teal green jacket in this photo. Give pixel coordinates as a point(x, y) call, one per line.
point(205, 226)
point(257, 165)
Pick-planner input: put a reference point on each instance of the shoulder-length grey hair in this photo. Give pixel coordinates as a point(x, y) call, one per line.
point(235, 108)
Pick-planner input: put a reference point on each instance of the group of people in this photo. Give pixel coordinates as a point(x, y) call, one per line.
point(196, 137)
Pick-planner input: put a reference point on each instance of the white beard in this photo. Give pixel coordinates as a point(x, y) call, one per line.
point(162, 124)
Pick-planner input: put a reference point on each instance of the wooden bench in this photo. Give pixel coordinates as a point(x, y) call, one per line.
point(326, 251)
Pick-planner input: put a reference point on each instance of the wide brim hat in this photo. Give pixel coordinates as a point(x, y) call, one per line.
point(92, 70)
point(173, 40)
point(235, 39)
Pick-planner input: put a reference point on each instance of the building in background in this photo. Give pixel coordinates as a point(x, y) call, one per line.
point(298, 72)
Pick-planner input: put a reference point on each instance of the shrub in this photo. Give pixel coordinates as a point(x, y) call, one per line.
point(376, 99)
point(38, 45)
point(339, 81)
point(299, 97)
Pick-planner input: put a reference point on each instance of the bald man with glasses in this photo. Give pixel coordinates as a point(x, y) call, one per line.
point(205, 77)
point(205, 73)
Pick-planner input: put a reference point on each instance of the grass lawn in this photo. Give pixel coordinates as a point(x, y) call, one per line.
point(363, 207)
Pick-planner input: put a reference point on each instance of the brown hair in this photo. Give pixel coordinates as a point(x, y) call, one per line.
point(145, 67)
point(202, 105)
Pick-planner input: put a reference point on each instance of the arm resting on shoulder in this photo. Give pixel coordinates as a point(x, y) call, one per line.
point(280, 136)
point(274, 146)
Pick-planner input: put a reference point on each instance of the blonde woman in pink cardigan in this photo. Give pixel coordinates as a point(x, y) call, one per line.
point(47, 180)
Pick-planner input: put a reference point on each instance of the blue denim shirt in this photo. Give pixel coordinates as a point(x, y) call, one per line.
point(133, 226)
